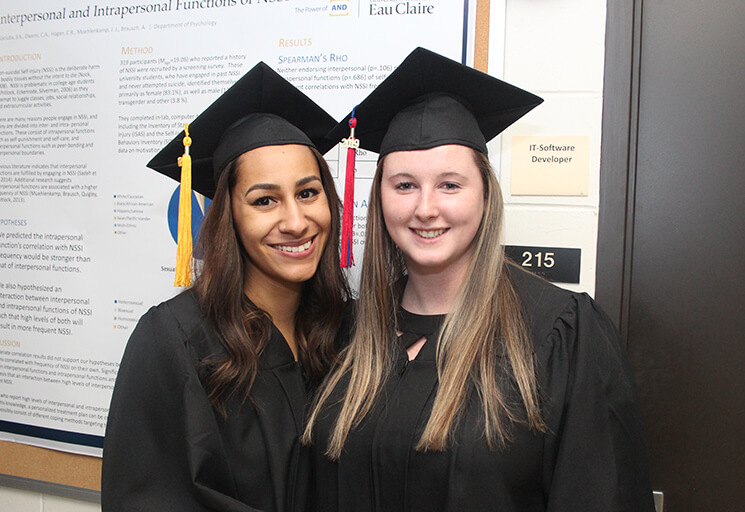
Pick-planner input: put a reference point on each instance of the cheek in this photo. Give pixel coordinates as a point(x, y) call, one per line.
point(476, 213)
point(324, 218)
point(321, 213)
point(249, 229)
point(246, 236)
point(470, 207)
point(390, 219)
point(393, 207)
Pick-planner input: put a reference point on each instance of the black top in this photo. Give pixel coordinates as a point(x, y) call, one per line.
point(592, 459)
point(414, 327)
point(166, 449)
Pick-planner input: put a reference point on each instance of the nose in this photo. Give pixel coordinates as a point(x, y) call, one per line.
point(426, 207)
point(293, 219)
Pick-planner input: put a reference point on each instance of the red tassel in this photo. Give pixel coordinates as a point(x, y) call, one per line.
point(347, 216)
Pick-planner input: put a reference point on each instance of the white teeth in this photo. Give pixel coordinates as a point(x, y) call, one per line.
point(429, 233)
point(294, 248)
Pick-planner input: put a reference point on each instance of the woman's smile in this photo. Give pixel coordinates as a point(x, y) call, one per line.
point(429, 234)
point(295, 248)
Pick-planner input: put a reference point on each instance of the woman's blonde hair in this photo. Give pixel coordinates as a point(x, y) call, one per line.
point(483, 345)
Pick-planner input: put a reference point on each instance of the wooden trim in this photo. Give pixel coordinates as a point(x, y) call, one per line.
point(481, 43)
point(66, 469)
point(40, 486)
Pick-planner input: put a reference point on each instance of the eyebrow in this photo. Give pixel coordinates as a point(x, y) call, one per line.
point(401, 174)
point(444, 174)
point(273, 186)
point(447, 174)
point(306, 180)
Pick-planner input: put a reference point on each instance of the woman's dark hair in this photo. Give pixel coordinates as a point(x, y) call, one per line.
point(243, 328)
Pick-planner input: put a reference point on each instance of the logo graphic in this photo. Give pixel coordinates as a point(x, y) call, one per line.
point(339, 8)
point(198, 211)
point(395, 7)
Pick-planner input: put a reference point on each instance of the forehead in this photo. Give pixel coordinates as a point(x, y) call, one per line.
point(277, 164)
point(430, 162)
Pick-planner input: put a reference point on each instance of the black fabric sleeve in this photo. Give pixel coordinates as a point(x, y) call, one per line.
point(598, 460)
point(145, 466)
point(161, 451)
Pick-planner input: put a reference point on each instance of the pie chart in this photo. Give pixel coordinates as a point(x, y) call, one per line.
point(199, 206)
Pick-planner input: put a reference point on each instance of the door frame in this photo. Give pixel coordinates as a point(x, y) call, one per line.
point(618, 160)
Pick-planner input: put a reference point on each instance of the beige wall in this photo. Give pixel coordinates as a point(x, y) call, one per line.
point(15, 500)
point(556, 49)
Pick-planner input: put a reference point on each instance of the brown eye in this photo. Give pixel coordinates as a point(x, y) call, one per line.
point(262, 201)
point(308, 193)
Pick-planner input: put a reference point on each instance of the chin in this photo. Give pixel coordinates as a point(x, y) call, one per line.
point(298, 277)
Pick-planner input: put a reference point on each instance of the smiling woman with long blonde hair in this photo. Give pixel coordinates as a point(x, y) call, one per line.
point(468, 384)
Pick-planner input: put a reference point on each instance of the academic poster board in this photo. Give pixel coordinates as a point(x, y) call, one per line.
point(88, 94)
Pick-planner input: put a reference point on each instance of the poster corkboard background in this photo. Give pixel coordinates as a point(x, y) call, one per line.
point(84, 472)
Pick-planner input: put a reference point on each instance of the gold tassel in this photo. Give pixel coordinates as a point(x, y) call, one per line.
point(184, 250)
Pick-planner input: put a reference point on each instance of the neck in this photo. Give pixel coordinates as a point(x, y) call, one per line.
point(433, 293)
point(280, 301)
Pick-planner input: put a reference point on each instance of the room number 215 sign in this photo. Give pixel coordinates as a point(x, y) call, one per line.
point(557, 264)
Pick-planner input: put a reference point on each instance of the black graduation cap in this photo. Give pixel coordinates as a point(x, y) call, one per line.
point(430, 101)
point(260, 109)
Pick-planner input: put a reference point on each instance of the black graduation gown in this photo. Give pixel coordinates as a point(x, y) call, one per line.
point(592, 459)
point(166, 449)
